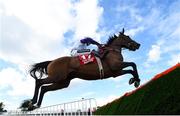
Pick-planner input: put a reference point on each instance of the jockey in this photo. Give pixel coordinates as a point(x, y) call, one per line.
point(82, 47)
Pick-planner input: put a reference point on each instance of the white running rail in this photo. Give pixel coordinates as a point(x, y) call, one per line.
point(74, 108)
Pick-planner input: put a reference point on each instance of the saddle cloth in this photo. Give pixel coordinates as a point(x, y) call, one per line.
point(86, 58)
point(90, 57)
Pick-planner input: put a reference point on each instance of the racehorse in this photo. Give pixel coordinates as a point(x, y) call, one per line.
point(62, 70)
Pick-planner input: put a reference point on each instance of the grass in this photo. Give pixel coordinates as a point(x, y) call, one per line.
point(160, 96)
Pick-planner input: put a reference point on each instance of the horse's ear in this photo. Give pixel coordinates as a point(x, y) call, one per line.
point(123, 31)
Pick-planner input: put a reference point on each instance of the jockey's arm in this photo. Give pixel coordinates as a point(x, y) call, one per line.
point(90, 41)
point(94, 42)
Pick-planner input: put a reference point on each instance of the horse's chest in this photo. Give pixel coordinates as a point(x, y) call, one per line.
point(115, 57)
point(114, 60)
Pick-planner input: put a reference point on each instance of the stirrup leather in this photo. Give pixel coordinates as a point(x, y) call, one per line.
point(101, 71)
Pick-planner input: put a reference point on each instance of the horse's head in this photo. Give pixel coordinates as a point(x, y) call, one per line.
point(127, 42)
point(123, 41)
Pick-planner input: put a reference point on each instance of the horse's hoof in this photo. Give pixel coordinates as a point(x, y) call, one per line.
point(136, 84)
point(138, 80)
point(26, 104)
point(30, 108)
point(131, 81)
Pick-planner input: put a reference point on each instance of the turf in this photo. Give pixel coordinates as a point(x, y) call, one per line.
point(159, 96)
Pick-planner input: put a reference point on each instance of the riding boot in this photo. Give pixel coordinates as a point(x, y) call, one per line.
point(96, 53)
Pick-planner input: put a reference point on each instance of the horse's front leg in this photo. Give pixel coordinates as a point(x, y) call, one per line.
point(136, 79)
point(123, 72)
point(133, 65)
point(118, 66)
point(134, 72)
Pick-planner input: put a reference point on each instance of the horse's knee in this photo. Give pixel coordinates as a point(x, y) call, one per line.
point(133, 64)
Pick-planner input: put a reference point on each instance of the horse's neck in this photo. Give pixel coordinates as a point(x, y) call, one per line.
point(116, 48)
point(112, 58)
point(115, 51)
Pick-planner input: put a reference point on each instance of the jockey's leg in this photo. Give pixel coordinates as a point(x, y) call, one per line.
point(96, 53)
point(100, 55)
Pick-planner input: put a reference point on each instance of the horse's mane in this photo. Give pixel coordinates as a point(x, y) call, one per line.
point(111, 39)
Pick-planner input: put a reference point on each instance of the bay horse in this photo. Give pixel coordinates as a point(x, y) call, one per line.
point(62, 70)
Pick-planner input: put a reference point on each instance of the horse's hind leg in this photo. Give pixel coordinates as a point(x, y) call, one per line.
point(38, 84)
point(52, 87)
point(36, 91)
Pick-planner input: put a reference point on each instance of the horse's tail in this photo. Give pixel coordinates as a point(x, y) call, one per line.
point(41, 68)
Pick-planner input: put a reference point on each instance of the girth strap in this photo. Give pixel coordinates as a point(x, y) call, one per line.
point(101, 71)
